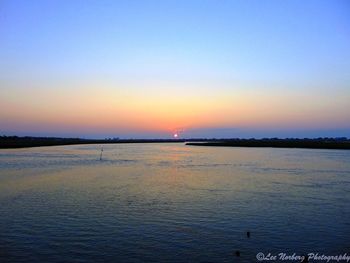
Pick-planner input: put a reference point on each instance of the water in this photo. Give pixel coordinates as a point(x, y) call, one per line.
point(171, 203)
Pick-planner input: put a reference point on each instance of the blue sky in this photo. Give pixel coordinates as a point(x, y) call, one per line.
point(287, 52)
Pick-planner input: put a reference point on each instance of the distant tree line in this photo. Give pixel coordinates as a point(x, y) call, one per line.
point(28, 141)
point(316, 143)
point(320, 143)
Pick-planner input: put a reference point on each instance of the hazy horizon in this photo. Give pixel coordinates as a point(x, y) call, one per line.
point(200, 133)
point(152, 69)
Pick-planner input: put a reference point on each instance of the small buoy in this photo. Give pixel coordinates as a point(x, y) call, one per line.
point(248, 234)
point(237, 253)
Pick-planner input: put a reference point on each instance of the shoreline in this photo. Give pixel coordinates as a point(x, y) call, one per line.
point(14, 142)
point(278, 143)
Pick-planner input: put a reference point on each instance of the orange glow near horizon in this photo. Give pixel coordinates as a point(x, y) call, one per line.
point(117, 110)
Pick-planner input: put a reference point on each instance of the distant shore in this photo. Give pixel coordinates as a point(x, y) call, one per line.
point(12, 142)
point(320, 143)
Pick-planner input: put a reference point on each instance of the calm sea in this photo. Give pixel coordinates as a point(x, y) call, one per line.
point(171, 203)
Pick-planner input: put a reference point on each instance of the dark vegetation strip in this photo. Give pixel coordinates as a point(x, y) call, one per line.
point(8, 142)
point(320, 143)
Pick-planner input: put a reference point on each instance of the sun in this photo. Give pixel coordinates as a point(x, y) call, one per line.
point(176, 135)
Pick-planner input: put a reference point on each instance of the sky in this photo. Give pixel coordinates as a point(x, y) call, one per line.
point(150, 69)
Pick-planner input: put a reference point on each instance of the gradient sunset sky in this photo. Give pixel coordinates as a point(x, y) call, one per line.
point(142, 69)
